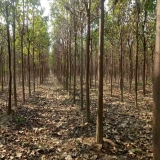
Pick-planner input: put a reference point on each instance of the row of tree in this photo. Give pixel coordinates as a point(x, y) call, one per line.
point(128, 46)
point(129, 35)
point(127, 38)
point(24, 46)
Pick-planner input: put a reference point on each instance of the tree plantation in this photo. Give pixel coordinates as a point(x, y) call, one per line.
point(82, 82)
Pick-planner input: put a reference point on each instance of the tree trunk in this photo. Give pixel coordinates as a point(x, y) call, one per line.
point(111, 69)
point(130, 66)
point(121, 67)
point(81, 74)
point(99, 126)
point(22, 65)
point(2, 69)
point(28, 48)
point(75, 53)
point(136, 64)
point(33, 49)
point(95, 64)
point(9, 61)
point(67, 64)
point(87, 63)
point(14, 53)
point(91, 63)
point(70, 62)
point(144, 52)
point(156, 91)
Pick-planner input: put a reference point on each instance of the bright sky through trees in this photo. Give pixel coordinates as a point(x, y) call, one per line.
point(45, 5)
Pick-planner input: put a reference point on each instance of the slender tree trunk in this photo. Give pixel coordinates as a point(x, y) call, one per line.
point(136, 64)
point(144, 52)
point(130, 67)
point(67, 65)
point(75, 54)
point(75, 68)
point(91, 63)
point(22, 68)
point(156, 91)
point(152, 50)
point(39, 59)
point(0, 65)
point(33, 50)
point(87, 63)
point(42, 73)
point(70, 62)
point(95, 63)
point(106, 72)
point(2, 76)
point(121, 67)
point(99, 126)
point(81, 76)
point(111, 68)
point(9, 61)
point(28, 48)
point(14, 53)
point(29, 73)
point(22, 65)
point(2, 69)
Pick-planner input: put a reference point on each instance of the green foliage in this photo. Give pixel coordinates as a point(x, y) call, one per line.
point(20, 119)
point(150, 5)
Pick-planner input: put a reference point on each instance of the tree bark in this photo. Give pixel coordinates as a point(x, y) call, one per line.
point(111, 69)
point(9, 62)
point(144, 52)
point(75, 54)
point(22, 65)
point(33, 50)
point(70, 61)
point(87, 63)
point(130, 66)
point(67, 63)
point(2, 69)
point(14, 53)
point(156, 91)
point(99, 126)
point(81, 74)
point(121, 66)
point(28, 48)
point(136, 64)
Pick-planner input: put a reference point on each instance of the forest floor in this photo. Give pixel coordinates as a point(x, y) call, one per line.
point(49, 127)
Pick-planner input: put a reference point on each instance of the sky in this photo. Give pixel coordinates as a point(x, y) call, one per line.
point(45, 5)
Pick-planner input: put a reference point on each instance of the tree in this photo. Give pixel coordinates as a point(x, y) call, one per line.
point(22, 32)
point(9, 59)
point(88, 8)
point(15, 22)
point(14, 3)
point(137, 49)
point(156, 91)
point(99, 127)
point(81, 76)
point(28, 48)
point(75, 55)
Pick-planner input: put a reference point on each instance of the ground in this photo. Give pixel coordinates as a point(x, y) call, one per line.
point(49, 127)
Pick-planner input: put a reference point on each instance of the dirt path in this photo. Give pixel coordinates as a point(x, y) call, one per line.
point(49, 127)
